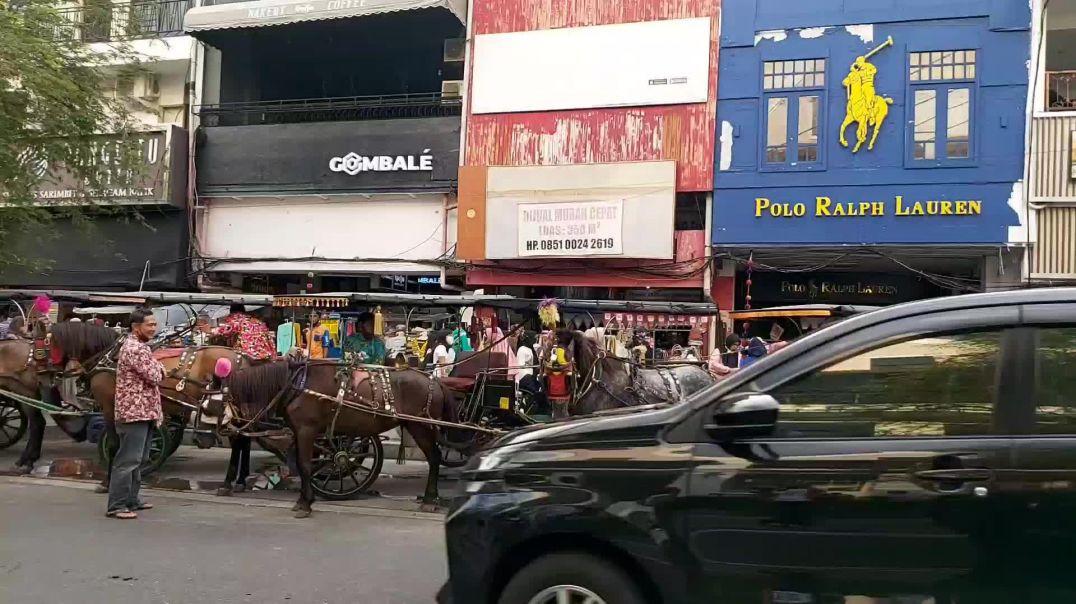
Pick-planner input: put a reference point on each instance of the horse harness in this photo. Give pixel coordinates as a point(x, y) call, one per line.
point(668, 378)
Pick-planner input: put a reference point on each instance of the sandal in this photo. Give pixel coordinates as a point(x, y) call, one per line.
point(122, 515)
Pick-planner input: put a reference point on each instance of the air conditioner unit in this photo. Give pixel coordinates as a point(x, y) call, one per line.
point(452, 88)
point(455, 50)
point(148, 88)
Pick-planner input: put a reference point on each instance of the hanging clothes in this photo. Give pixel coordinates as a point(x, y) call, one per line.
point(498, 343)
point(285, 338)
point(461, 342)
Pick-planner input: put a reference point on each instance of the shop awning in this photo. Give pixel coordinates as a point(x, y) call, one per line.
point(263, 13)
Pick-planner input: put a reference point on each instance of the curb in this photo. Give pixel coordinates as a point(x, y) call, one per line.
point(320, 506)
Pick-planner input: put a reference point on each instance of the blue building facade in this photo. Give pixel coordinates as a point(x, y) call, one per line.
point(932, 96)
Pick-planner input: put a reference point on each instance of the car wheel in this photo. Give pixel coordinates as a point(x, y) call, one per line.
point(570, 579)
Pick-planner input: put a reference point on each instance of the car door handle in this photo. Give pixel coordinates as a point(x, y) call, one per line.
point(957, 475)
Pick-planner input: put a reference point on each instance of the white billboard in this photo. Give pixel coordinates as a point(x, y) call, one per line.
point(621, 210)
point(629, 64)
point(594, 228)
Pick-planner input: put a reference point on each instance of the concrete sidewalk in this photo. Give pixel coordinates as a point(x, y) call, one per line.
point(202, 471)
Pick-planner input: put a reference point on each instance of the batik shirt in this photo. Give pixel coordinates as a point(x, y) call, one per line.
point(138, 378)
point(249, 335)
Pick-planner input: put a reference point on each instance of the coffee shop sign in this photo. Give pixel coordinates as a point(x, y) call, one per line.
point(353, 163)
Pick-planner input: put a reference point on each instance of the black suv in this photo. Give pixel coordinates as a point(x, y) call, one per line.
point(924, 453)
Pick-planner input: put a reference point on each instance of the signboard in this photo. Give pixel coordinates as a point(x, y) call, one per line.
point(353, 163)
point(327, 157)
point(665, 62)
point(148, 184)
point(869, 289)
point(864, 215)
point(566, 229)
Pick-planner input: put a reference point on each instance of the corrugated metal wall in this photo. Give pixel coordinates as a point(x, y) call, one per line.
point(1055, 252)
point(684, 133)
point(1051, 147)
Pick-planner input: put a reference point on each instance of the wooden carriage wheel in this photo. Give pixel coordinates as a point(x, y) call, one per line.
point(345, 466)
point(13, 423)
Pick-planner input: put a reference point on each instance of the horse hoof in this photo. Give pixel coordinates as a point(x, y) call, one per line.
point(303, 513)
point(224, 492)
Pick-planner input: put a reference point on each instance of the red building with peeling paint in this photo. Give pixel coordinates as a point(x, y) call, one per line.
point(589, 145)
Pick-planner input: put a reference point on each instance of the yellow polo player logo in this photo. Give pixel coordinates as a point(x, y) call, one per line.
point(865, 107)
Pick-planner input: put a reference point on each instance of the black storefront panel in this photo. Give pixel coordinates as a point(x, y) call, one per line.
point(868, 289)
point(419, 154)
point(110, 254)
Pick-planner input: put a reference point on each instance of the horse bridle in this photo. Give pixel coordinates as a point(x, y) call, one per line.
point(668, 379)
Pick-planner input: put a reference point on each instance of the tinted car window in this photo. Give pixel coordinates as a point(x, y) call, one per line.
point(1055, 399)
point(943, 385)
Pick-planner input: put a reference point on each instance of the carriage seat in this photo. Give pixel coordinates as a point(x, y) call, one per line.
point(469, 366)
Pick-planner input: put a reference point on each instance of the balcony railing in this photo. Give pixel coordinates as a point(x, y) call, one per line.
point(1061, 91)
point(101, 22)
point(338, 109)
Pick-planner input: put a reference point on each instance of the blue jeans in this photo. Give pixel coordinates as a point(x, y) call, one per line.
point(126, 478)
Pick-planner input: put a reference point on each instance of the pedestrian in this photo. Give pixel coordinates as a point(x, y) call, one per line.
point(137, 411)
point(316, 337)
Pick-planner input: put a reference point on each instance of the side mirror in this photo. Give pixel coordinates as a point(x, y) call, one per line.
point(744, 416)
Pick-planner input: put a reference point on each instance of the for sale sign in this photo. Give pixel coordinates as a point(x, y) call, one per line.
point(576, 228)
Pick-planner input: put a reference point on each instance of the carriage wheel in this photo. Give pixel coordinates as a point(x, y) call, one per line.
point(13, 423)
point(160, 448)
point(175, 427)
point(453, 458)
point(345, 466)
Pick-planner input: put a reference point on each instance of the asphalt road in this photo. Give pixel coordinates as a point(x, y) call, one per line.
point(57, 547)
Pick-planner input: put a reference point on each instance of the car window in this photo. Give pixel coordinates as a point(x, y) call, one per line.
point(943, 385)
point(1055, 396)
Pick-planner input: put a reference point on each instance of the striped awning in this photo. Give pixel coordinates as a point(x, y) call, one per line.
point(264, 13)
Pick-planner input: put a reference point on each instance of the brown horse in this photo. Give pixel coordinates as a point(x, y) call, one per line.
point(192, 367)
point(86, 344)
point(287, 387)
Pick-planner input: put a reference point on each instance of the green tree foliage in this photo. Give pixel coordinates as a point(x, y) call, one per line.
point(56, 118)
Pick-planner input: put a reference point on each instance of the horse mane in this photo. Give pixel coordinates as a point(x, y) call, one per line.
point(585, 349)
point(83, 340)
point(252, 388)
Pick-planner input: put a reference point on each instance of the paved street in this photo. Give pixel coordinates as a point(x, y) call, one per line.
point(56, 546)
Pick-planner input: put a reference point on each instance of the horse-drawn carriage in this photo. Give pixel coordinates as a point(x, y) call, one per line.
point(335, 411)
point(79, 358)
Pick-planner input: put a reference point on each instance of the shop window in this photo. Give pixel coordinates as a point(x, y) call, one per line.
point(939, 385)
point(793, 97)
point(942, 88)
point(690, 212)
